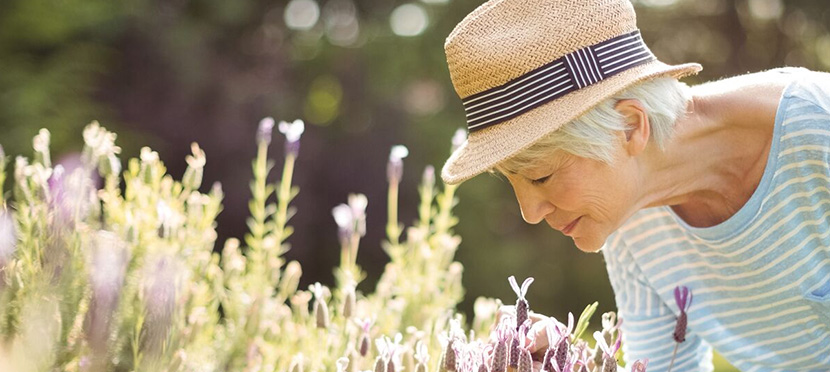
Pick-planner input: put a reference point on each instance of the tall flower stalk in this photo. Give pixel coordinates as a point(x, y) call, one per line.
point(683, 299)
point(394, 172)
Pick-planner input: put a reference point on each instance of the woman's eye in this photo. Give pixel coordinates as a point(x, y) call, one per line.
point(540, 181)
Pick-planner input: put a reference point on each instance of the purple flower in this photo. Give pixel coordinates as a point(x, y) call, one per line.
point(683, 297)
point(394, 169)
point(521, 303)
point(608, 352)
point(365, 325)
point(292, 131)
point(639, 365)
point(265, 130)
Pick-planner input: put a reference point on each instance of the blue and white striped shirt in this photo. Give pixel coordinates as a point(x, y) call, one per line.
point(761, 279)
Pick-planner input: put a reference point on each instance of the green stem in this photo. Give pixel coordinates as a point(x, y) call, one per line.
point(392, 228)
point(443, 222)
point(284, 196)
point(673, 355)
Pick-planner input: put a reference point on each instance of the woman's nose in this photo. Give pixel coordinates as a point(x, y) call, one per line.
point(533, 204)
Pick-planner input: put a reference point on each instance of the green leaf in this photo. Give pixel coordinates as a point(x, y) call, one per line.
point(582, 324)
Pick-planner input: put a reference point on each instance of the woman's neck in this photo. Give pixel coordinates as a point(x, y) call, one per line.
point(713, 163)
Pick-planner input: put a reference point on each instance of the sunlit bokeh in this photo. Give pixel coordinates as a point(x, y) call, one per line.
point(342, 26)
point(766, 9)
point(657, 3)
point(409, 20)
point(301, 14)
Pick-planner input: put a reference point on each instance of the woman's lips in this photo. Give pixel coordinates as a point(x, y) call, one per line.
point(571, 226)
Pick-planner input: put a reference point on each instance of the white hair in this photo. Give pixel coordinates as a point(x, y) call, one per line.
point(593, 135)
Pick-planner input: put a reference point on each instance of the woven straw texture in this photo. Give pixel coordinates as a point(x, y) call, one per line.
point(502, 40)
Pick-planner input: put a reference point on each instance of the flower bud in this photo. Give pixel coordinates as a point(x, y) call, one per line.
point(525, 361)
point(265, 130)
point(292, 131)
point(342, 364)
point(639, 365)
point(562, 352)
point(450, 362)
point(380, 364)
point(41, 146)
point(429, 176)
point(500, 357)
point(291, 278)
point(192, 178)
point(514, 352)
point(322, 311)
point(349, 302)
point(364, 344)
point(394, 169)
point(296, 364)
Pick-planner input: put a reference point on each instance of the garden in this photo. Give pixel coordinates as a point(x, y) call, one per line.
point(216, 232)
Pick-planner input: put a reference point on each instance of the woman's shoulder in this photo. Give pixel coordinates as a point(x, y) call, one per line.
point(768, 88)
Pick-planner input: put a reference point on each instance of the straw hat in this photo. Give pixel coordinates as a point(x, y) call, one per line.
point(523, 68)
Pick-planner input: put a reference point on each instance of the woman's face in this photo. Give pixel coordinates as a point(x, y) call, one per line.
point(564, 188)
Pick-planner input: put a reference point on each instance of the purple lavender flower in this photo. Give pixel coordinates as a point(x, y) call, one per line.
point(292, 132)
point(562, 348)
point(421, 356)
point(683, 297)
point(394, 169)
point(265, 130)
point(518, 343)
point(609, 362)
point(639, 365)
point(429, 176)
point(380, 364)
point(522, 306)
point(365, 325)
point(321, 309)
point(525, 360)
point(450, 360)
point(500, 350)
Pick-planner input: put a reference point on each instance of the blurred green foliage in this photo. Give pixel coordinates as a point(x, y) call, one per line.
point(168, 72)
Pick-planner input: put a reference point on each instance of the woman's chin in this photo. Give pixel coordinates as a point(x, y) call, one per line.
point(590, 243)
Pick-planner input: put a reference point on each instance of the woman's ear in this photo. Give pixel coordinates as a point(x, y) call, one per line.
point(637, 130)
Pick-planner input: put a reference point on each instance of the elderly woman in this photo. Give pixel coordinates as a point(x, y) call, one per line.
point(721, 187)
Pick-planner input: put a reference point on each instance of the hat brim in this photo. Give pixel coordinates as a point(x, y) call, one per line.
point(486, 148)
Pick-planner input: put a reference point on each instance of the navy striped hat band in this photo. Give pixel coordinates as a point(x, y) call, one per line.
point(573, 71)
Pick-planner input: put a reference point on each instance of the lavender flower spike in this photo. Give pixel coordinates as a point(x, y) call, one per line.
point(265, 130)
point(345, 221)
point(521, 303)
point(394, 170)
point(639, 365)
point(683, 297)
point(609, 362)
point(292, 131)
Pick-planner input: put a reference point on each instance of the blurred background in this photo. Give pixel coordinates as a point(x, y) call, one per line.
point(364, 75)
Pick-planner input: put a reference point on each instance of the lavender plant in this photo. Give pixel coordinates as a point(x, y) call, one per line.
point(111, 268)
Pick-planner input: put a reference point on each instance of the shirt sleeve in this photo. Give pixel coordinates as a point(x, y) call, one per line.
point(648, 323)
